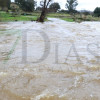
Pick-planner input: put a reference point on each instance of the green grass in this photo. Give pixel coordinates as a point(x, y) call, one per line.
point(68, 19)
point(58, 15)
point(62, 16)
point(5, 17)
point(20, 18)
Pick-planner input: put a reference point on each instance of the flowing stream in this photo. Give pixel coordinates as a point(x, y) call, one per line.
point(55, 60)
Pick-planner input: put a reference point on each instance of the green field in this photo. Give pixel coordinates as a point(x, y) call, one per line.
point(6, 17)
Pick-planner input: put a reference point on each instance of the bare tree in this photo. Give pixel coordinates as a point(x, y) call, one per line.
point(45, 4)
point(71, 5)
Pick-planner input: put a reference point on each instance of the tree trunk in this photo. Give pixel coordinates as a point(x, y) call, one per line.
point(42, 17)
point(44, 11)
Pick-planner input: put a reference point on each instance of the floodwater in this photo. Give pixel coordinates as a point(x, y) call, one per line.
point(56, 60)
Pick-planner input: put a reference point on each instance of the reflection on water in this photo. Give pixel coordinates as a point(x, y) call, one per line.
point(70, 72)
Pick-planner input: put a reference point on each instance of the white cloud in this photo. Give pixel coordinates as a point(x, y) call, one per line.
point(88, 4)
point(83, 4)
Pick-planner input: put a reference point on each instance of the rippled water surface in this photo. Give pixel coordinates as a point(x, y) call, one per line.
point(70, 69)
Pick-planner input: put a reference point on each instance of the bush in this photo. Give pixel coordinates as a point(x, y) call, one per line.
point(97, 12)
point(26, 5)
point(54, 7)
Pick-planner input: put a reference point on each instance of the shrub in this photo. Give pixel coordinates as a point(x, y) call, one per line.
point(97, 12)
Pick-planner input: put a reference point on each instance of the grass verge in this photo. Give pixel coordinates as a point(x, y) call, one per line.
point(5, 17)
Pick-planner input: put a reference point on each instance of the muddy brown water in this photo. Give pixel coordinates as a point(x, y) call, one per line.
point(70, 71)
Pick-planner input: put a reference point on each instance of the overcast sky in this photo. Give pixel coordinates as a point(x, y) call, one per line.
point(83, 4)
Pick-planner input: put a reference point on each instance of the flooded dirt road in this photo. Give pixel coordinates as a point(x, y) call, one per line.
point(56, 60)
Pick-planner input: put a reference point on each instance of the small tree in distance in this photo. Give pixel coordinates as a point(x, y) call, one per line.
point(54, 7)
point(97, 12)
point(5, 4)
point(26, 5)
point(71, 5)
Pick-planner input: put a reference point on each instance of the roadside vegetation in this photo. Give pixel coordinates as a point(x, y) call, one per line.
point(26, 10)
point(6, 17)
